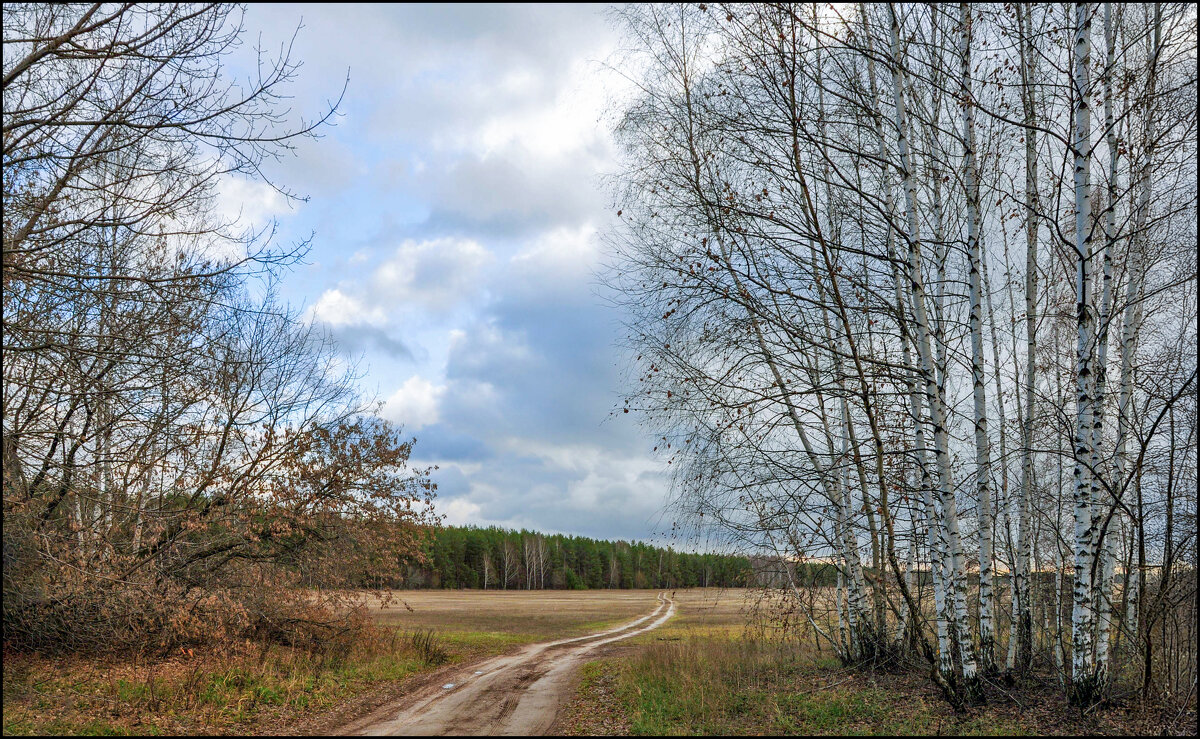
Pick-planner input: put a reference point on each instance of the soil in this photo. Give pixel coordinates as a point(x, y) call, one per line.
point(518, 694)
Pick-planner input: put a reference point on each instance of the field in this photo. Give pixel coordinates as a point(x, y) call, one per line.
point(702, 672)
point(232, 688)
point(510, 616)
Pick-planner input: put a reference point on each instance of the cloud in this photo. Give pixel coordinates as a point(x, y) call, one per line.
point(405, 301)
point(509, 194)
point(460, 512)
point(336, 308)
point(359, 339)
point(415, 404)
point(456, 209)
point(433, 274)
point(249, 204)
point(581, 490)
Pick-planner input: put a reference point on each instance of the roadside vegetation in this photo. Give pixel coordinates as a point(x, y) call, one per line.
point(262, 688)
point(712, 671)
point(247, 687)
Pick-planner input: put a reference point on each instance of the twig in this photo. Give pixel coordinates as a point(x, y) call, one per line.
point(1011, 697)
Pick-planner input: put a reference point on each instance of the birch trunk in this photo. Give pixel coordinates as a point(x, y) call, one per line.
point(1132, 317)
point(1005, 520)
point(1083, 677)
point(1022, 616)
point(843, 644)
point(934, 391)
point(934, 532)
point(983, 462)
point(829, 483)
point(1107, 541)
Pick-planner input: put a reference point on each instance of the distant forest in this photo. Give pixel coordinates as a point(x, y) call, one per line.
point(495, 558)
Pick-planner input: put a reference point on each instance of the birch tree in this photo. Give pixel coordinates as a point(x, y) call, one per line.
point(790, 244)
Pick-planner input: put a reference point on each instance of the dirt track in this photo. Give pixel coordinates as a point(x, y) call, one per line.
point(516, 694)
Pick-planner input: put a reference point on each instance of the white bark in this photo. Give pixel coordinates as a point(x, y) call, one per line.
point(1083, 617)
point(1132, 317)
point(935, 393)
point(1022, 617)
point(934, 531)
point(1106, 550)
point(983, 463)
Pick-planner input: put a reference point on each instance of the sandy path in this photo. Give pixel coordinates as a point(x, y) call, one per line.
point(516, 694)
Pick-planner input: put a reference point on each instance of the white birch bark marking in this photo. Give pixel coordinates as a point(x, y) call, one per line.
point(1022, 617)
point(1082, 615)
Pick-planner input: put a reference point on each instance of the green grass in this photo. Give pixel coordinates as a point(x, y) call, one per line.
point(705, 673)
point(711, 684)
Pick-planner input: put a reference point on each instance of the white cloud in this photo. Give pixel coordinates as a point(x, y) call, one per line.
point(569, 122)
point(460, 512)
point(336, 308)
point(564, 251)
point(415, 404)
point(248, 203)
point(436, 274)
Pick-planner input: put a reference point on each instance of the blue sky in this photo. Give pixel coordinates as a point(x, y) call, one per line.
point(457, 207)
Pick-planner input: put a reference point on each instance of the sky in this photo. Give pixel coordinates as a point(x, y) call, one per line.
point(456, 209)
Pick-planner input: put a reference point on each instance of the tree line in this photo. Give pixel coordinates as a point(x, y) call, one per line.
point(913, 289)
point(502, 559)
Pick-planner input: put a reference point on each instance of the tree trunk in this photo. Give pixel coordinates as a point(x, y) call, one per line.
point(983, 461)
point(1022, 615)
point(1084, 686)
point(935, 392)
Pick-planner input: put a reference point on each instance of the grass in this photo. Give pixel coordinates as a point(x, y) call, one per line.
point(234, 689)
point(704, 686)
point(251, 688)
point(518, 616)
point(705, 673)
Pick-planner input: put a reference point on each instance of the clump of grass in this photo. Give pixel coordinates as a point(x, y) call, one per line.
point(426, 644)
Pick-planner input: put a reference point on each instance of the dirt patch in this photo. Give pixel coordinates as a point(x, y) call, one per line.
point(332, 722)
point(596, 708)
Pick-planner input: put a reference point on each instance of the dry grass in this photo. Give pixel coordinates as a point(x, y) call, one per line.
point(232, 688)
point(709, 672)
point(717, 613)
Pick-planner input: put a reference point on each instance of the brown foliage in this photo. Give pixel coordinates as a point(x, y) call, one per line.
point(341, 508)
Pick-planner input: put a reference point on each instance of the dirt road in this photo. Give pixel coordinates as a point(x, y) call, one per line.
point(516, 694)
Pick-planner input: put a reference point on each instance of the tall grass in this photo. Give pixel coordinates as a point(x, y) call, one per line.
point(428, 646)
point(706, 684)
